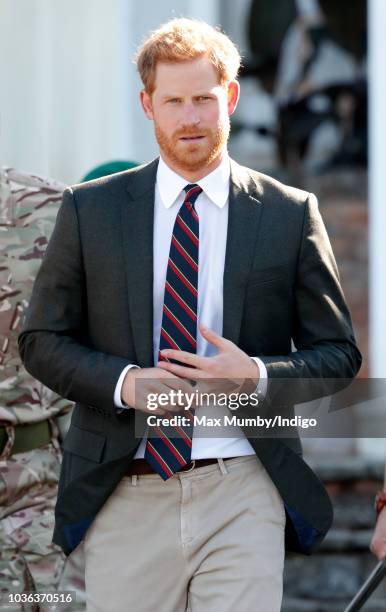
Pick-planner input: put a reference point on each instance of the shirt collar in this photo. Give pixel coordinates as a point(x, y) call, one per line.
point(215, 185)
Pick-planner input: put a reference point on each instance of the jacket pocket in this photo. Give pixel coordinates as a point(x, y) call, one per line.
point(87, 444)
point(268, 275)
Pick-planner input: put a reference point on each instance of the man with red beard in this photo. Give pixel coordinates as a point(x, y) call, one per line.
point(188, 273)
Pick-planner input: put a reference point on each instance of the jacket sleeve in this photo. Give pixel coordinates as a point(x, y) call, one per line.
point(326, 356)
point(53, 344)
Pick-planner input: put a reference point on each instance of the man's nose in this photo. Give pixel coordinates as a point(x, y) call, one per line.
point(190, 115)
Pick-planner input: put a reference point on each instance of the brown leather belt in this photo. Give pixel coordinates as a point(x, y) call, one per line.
point(138, 467)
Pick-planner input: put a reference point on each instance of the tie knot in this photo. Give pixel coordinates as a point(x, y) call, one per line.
point(190, 186)
point(192, 192)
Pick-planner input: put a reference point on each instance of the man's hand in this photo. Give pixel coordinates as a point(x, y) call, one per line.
point(140, 382)
point(378, 543)
point(225, 372)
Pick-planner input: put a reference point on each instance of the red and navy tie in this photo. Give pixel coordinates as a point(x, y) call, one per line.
point(168, 449)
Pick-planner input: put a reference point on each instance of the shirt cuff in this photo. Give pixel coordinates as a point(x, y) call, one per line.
point(118, 388)
point(262, 385)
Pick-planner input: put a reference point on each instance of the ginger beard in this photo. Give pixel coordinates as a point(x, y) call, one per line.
point(194, 155)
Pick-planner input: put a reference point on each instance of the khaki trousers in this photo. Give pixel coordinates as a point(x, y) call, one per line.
point(208, 540)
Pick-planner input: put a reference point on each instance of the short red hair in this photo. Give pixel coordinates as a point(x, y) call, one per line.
point(182, 40)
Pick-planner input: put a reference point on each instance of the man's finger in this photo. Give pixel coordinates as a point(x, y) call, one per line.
point(213, 338)
point(175, 383)
point(182, 371)
point(161, 378)
point(380, 553)
point(189, 358)
point(157, 411)
point(378, 547)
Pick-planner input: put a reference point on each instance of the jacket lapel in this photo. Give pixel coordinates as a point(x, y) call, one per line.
point(243, 221)
point(137, 228)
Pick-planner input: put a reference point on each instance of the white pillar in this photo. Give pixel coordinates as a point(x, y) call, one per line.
point(24, 94)
point(64, 99)
point(377, 175)
point(89, 77)
point(377, 212)
point(206, 10)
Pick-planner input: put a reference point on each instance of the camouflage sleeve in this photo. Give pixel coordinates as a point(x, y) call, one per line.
point(50, 344)
point(28, 208)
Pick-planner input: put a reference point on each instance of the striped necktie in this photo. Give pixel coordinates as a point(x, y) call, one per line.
point(168, 449)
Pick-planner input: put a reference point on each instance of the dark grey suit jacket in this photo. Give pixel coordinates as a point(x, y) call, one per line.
point(91, 314)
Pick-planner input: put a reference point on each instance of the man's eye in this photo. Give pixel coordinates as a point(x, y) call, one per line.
point(204, 98)
point(174, 100)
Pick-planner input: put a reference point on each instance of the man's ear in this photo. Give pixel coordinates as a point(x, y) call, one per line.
point(146, 104)
point(233, 96)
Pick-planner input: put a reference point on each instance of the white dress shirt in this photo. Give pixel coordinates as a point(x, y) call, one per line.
point(212, 209)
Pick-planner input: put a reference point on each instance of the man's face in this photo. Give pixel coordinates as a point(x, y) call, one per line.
point(191, 112)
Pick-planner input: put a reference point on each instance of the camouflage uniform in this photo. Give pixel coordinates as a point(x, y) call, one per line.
point(28, 480)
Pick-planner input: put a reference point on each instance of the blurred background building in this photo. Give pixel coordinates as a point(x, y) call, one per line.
point(312, 113)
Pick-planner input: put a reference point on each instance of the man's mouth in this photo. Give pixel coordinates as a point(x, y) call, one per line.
point(191, 138)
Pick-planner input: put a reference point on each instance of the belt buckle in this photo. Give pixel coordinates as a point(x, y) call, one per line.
point(193, 462)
